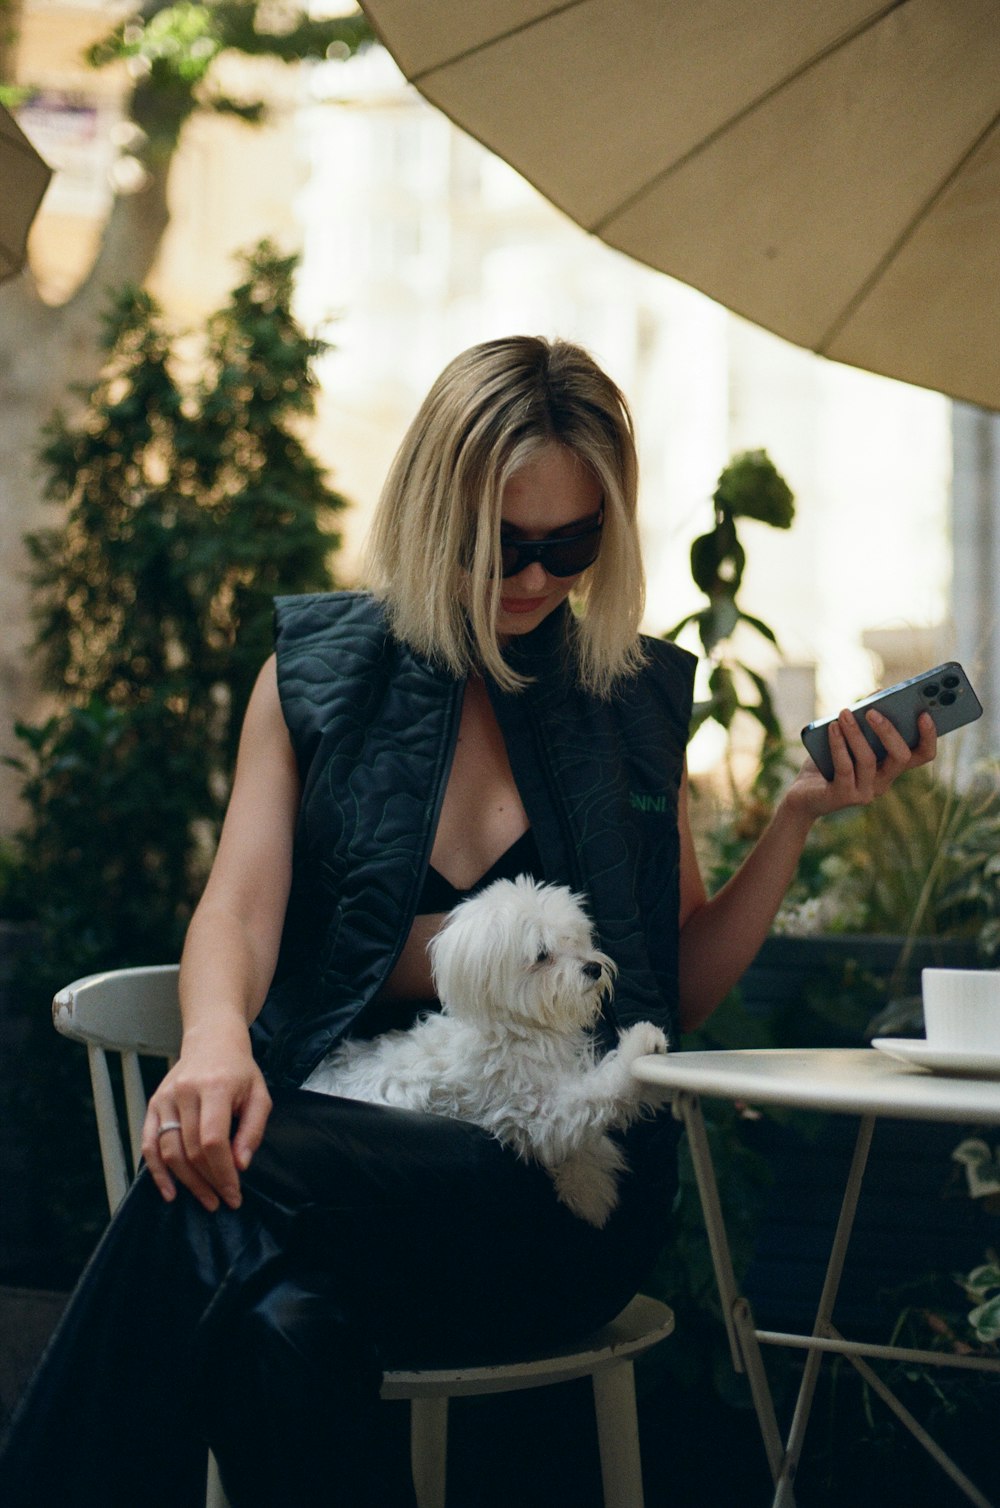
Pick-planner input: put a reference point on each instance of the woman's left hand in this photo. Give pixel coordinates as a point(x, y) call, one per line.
point(858, 777)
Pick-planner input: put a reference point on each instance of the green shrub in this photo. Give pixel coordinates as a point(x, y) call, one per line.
point(185, 505)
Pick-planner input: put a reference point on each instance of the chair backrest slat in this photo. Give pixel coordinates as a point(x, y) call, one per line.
point(135, 1103)
point(133, 1012)
point(116, 1178)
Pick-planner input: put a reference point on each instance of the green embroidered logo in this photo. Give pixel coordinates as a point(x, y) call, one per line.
point(641, 802)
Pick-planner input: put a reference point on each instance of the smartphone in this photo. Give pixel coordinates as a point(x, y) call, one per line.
point(945, 692)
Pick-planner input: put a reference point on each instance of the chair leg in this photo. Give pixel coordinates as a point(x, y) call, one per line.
point(429, 1449)
point(618, 1435)
point(214, 1495)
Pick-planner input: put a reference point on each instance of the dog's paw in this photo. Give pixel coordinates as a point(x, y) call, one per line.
point(640, 1039)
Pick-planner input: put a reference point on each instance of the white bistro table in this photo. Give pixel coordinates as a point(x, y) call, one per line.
point(862, 1082)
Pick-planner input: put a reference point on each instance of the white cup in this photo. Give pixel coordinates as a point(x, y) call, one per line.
point(962, 1009)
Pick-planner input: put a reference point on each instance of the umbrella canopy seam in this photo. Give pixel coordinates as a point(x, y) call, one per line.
point(831, 173)
point(905, 236)
point(501, 36)
point(600, 225)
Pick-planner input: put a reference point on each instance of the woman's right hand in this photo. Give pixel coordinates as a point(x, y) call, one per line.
point(214, 1101)
point(216, 1104)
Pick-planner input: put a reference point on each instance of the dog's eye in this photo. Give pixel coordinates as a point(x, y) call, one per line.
point(543, 955)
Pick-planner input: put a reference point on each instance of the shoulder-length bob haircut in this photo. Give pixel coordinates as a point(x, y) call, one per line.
point(434, 549)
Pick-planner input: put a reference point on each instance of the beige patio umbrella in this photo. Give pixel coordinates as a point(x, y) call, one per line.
point(828, 168)
point(24, 178)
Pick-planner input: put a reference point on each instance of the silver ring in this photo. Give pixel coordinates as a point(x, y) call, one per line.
point(168, 1126)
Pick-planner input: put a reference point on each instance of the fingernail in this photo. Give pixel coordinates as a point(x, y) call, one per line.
point(875, 717)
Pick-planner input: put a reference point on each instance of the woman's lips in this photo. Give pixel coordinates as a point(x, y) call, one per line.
point(521, 604)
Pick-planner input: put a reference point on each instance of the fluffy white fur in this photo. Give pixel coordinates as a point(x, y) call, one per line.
point(520, 982)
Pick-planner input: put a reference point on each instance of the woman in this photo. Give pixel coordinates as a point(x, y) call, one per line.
point(400, 750)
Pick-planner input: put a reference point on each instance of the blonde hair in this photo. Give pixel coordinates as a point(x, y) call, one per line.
point(434, 550)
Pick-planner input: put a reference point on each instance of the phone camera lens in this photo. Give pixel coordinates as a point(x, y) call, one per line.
point(947, 697)
point(951, 681)
point(931, 689)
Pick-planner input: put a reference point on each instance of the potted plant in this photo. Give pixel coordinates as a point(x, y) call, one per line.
point(185, 503)
point(749, 487)
point(881, 892)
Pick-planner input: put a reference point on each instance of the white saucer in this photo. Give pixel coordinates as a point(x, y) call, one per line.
point(983, 1065)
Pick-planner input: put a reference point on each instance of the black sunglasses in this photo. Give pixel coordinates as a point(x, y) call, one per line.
point(565, 555)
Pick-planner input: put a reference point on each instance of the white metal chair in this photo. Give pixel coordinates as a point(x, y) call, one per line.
point(134, 1012)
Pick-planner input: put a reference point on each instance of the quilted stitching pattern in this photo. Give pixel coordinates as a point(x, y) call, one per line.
point(373, 728)
point(614, 770)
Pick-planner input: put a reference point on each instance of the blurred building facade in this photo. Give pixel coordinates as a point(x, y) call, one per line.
point(416, 243)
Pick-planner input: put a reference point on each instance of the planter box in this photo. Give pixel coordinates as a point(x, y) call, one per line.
point(785, 967)
point(18, 1240)
point(51, 1190)
point(28, 1317)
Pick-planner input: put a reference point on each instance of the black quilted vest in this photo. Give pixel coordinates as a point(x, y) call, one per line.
point(373, 725)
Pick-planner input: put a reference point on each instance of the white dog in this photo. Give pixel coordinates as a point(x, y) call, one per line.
point(520, 982)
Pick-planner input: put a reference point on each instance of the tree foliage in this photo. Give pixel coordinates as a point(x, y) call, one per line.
point(185, 503)
point(173, 59)
point(170, 51)
point(124, 784)
point(185, 507)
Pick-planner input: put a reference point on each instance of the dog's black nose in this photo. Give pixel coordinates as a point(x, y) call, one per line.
point(593, 970)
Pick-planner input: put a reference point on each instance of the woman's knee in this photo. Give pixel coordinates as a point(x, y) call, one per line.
point(297, 1332)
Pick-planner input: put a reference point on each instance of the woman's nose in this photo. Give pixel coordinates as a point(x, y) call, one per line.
point(534, 577)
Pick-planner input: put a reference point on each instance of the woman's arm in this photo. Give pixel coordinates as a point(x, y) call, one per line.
point(215, 1090)
point(719, 938)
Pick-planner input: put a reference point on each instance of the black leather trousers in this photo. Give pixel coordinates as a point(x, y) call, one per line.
point(367, 1237)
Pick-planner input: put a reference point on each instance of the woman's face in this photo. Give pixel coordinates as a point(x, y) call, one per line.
point(553, 493)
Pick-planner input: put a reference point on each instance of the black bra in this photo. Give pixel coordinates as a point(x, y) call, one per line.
point(522, 857)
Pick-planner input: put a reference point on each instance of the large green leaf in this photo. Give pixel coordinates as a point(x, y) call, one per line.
point(752, 487)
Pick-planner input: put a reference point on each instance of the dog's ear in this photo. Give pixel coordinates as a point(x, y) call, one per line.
point(469, 955)
point(452, 954)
